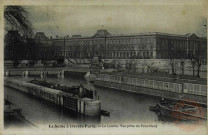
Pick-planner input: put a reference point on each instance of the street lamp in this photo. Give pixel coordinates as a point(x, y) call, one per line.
point(182, 66)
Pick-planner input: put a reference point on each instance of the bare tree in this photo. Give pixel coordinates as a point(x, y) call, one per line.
point(17, 18)
point(77, 50)
point(172, 56)
point(193, 64)
point(143, 64)
point(180, 55)
point(131, 66)
point(127, 66)
point(198, 57)
point(92, 50)
point(118, 66)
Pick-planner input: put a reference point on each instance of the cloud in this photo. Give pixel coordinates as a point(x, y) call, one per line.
point(85, 20)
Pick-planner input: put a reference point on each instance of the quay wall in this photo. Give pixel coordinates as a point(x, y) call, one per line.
point(89, 107)
point(152, 92)
point(40, 72)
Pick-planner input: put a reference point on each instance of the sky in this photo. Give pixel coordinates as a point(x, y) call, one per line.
point(85, 20)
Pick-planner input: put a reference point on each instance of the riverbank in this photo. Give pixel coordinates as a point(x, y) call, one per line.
point(164, 86)
point(76, 70)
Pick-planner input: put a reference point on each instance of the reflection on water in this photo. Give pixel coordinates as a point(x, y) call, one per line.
point(124, 107)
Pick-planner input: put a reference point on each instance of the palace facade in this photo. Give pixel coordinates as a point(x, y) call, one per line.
point(152, 45)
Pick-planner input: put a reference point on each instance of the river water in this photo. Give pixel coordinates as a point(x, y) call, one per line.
point(124, 107)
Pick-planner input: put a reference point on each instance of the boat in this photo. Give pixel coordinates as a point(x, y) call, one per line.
point(153, 108)
point(10, 108)
point(81, 99)
point(74, 90)
point(13, 113)
point(105, 113)
point(176, 110)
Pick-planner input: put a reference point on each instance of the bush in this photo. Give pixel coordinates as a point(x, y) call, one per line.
point(16, 63)
point(31, 63)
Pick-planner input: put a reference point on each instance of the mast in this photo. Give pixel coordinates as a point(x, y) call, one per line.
point(105, 47)
point(64, 49)
point(45, 64)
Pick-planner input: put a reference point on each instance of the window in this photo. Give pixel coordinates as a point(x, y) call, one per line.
point(196, 88)
point(185, 86)
point(166, 85)
point(148, 40)
point(147, 54)
point(144, 54)
point(138, 40)
point(124, 80)
point(119, 78)
point(160, 85)
point(177, 87)
point(146, 82)
point(142, 82)
point(116, 78)
point(171, 86)
point(190, 88)
point(134, 80)
point(129, 80)
point(131, 41)
point(135, 41)
point(151, 83)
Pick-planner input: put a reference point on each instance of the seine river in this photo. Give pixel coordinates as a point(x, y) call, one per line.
point(124, 107)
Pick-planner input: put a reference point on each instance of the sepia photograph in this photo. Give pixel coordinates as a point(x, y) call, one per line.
point(134, 67)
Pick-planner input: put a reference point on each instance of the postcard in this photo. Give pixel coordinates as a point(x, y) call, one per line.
point(104, 67)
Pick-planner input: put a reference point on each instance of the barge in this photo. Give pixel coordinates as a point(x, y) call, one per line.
point(82, 99)
point(165, 86)
point(180, 110)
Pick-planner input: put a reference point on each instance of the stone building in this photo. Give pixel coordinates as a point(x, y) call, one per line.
point(153, 45)
point(46, 48)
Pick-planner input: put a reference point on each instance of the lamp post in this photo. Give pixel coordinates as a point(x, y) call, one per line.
point(187, 47)
point(182, 66)
point(64, 49)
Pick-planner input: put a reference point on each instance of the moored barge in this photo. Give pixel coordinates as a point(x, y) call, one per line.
point(182, 110)
point(81, 99)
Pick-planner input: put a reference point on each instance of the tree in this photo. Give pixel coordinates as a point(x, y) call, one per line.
point(143, 64)
point(193, 64)
point(172, 56)
point(198, 57)
point(180, 55)
point(127, 66)
point(17, 18)
point(77, 51)
point(131, 66)
point(14, 45)
point(118, 66)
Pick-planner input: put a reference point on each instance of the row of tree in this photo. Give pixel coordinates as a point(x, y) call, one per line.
point(196, 60)
point(179, 57)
